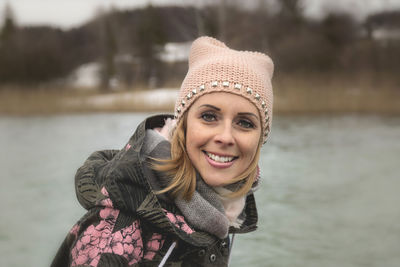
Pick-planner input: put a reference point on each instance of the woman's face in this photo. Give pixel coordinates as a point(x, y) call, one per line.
point(222, 136)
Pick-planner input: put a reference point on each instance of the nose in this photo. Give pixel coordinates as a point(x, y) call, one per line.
point(224, 136)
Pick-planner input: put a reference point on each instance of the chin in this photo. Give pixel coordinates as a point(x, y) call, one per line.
point(216, 181)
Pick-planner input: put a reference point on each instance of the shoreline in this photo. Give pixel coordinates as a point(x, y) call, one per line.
point(303, 101)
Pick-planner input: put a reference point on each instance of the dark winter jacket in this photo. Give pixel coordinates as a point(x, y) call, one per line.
point(127, 224)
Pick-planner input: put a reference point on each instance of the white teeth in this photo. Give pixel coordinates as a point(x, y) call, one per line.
point(219, 158)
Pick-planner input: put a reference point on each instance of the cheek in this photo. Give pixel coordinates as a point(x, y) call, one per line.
point(250, 148)
point(194, 134)
point(193, 141)
point(190, 138)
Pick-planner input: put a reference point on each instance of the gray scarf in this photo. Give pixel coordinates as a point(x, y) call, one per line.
point(204, 210)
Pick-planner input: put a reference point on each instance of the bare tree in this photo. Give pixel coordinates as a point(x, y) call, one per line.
point(148, 42)
point(291, 10)
point(9, 26)
point(222, 19)
point(109, 52)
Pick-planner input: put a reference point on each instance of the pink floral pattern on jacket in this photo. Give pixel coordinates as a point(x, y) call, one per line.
point(99, 239)
point(179, 222)
point(153, 246)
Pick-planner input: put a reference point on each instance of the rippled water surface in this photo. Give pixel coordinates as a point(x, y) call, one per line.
point(329, 195)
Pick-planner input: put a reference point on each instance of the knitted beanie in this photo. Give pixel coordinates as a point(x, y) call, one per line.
point(214, 67)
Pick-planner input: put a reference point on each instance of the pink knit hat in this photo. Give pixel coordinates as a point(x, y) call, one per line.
point(214, 67)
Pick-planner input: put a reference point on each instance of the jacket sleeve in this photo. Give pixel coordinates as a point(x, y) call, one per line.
point(91, 175)
point(107, 238)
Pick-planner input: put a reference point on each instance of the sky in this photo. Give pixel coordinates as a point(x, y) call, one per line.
point(70, 13)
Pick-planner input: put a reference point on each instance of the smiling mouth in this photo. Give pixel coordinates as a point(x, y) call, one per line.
point(221, 159)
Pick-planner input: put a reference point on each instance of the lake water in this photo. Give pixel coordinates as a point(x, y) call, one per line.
point(329, 197)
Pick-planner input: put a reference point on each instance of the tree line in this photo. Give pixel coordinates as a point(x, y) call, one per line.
point(32, 55)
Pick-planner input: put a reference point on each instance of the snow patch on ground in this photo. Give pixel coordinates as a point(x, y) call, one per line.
point(163, 98)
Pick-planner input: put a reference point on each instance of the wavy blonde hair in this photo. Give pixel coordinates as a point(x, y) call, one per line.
point(183, 174)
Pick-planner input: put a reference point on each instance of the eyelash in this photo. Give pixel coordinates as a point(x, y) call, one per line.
point(244, 123)
point(209, 114)
point(247, 122)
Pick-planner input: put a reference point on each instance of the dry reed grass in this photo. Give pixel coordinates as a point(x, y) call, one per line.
point(326, 93)
point(293, 93)
point(18, 101)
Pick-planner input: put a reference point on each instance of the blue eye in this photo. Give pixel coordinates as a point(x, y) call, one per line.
point(246, 124)
point(209, 117)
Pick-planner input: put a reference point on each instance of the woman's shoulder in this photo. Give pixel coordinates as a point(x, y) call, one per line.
point(119, 237)
point(108, 235)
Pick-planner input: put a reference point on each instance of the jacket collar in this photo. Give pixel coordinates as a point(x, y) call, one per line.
point(137, 139)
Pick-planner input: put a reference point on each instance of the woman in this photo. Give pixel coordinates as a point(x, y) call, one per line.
point(182, 183)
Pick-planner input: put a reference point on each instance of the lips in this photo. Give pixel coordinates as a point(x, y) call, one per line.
point(220, 159)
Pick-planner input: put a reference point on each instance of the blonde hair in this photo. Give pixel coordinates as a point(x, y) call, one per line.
point(183, 174)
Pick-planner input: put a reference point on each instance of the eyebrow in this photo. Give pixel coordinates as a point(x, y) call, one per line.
point(211, 106)
point(248, 114)
point(240, 113)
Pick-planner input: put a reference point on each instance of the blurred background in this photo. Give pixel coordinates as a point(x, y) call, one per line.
point(329, 56)
point(78, 76)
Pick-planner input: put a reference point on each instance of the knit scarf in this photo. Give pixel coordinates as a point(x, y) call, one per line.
point(205, 210)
